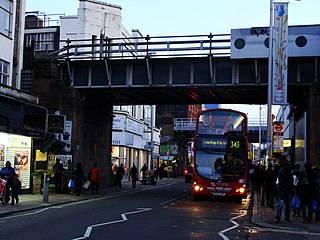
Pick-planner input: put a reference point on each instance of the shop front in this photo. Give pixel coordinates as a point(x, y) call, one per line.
point(17, 150)
point(21, 123)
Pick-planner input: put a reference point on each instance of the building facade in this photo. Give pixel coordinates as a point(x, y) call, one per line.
point(132, 141)
point(22, 120)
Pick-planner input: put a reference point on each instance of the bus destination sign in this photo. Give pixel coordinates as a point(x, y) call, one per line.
point(220, 143)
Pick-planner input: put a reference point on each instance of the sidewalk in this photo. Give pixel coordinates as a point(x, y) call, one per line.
point(35, 201)
point(264, 216)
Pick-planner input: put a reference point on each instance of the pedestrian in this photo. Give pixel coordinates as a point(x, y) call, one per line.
point(70, 174)
point(161, 171)
point(270, 185)
point(15, 189)
point(297, 178)
point(114, 170)
point(7, 173)
point(285, 187)
point(94, 176)
point(143, 170)
point(307, 193)
point(58, 171)
point(78, 177)
point(134, 175)
point(316, 172)
point(120, 173)
point(257, 178)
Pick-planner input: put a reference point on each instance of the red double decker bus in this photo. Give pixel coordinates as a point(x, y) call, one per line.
point(220, 154)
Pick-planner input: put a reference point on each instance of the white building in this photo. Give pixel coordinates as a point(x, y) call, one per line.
point(132, 139)
point(11, 42)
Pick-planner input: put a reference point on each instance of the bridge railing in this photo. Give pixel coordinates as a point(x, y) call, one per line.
point(189, 124)
point(143, 47)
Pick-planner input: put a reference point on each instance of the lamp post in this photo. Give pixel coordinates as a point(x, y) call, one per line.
point(270, 64)
point(259, 149)
point(271, 71)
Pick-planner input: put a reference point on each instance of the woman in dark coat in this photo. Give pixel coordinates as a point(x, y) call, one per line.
point(78, 177)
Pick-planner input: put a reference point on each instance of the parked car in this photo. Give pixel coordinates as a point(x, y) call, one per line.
point(188, 174)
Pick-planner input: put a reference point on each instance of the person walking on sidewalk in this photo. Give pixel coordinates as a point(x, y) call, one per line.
point(94, 176)
point(270, 185)
point(58, 172)
point(307, 193)
point(316, 172)
point(134, 175)
point(285, 187)
point(143, 170)
point(78, 177)
point(70, 175)
point(297, 178)
point(120, 173)
point(16, 188)
point(7, 173)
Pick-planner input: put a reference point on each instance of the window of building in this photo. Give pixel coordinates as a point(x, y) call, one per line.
point(6, 8)
point(147, 113)
point(127, 108)
point(4, 72)
point(43, 41)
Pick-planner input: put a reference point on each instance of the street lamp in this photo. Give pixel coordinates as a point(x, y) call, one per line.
point(270, 63)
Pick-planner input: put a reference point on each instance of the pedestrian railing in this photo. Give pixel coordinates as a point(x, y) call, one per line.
point(142, 47)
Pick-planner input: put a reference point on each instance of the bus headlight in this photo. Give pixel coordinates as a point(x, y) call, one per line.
point(240, 190)
point(197, 188)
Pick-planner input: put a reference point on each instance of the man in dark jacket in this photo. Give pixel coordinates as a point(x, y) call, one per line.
point(120, 173)
point(270, 185)
point(134, 175)
point(7, 174)
point(285, 187)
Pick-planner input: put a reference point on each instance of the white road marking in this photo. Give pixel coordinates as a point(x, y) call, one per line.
point(168, 201)
point(221, 233)
point(26, 214)
point(123, 216)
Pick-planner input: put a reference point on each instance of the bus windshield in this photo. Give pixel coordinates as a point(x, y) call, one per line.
point(221, 123)
point(220, 166)
point(221, 145)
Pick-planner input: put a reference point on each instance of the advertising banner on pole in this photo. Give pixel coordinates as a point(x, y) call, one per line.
point(280, 57)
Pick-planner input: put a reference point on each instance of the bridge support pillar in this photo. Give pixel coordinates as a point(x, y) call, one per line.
point(313, 126)
point(93, 136)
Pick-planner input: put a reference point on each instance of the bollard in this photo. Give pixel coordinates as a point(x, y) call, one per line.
point(46, 187)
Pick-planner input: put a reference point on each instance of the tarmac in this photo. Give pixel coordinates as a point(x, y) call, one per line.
point(262, 216)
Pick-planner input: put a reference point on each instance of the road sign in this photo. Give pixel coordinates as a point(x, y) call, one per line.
point(56, 123)
point(278, 128)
